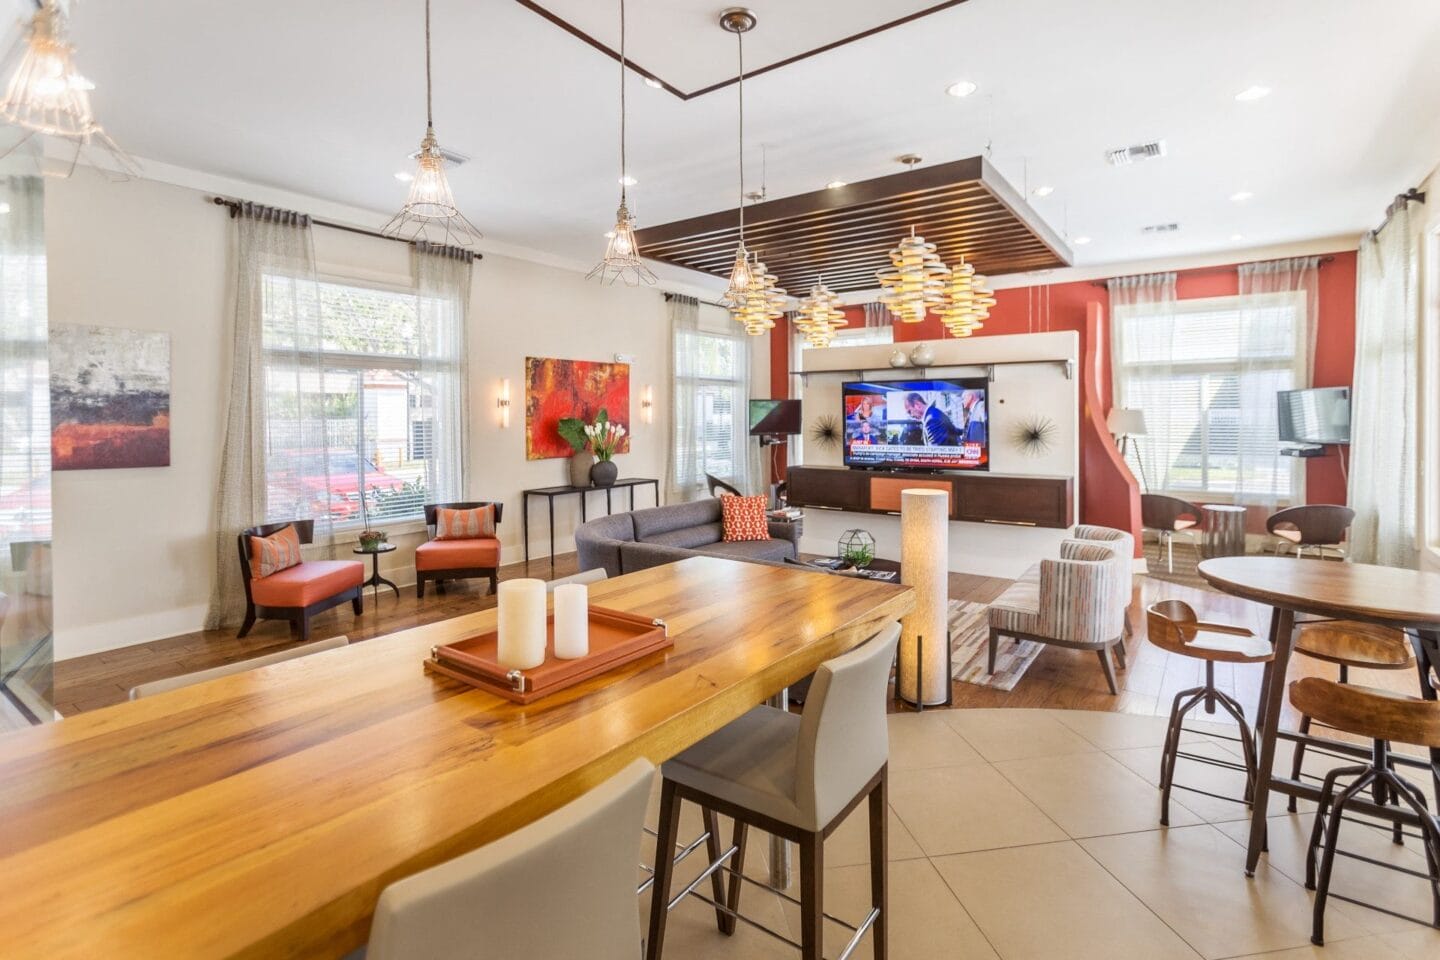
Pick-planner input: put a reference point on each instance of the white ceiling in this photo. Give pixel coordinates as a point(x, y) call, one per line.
point(325, 98)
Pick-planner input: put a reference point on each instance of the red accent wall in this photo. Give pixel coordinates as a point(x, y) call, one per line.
point(1063, 306)
point(780, 388)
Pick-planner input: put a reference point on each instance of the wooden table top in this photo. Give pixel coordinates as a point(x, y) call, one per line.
point(261, 814)
point(1346, 591)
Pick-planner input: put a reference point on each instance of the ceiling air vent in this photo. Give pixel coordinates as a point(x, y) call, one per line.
point(1160, 228)
point(1141, 151)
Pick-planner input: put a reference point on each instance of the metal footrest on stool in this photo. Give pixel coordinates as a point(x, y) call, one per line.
point(1185, 701)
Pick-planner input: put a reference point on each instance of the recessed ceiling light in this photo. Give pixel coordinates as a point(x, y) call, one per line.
point(404, 176)
point(1236, 237)
point(1043, 191)
point(628, 181)
point(961, 88)
point(653, 83)
point(4, 208)
point(1241, 196)
point(836, 185)
point(1252, 93)
point(1081, 241)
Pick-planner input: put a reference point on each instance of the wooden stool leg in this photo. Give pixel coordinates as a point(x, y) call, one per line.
point(725, 924)
point(812, 897)
point(879, 867)
point(668, 830)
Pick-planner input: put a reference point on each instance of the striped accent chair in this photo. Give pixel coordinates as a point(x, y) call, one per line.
point(1075, 603)
point(1124, 546)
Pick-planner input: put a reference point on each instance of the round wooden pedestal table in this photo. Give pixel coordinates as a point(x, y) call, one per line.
point(1406, 600)
point(1224, 530)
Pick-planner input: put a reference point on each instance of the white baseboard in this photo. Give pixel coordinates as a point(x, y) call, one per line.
point(71, 642)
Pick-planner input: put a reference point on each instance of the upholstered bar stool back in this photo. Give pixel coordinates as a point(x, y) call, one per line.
point(562, 887)
point(239, 666)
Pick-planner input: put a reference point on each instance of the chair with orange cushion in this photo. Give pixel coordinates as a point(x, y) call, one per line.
point(446, 559)
point(295, 593)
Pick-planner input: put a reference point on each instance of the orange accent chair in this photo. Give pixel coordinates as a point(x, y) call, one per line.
point(297, 593)
point(442, 560)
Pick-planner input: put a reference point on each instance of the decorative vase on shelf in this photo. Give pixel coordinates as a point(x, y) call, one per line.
point(923, 355)
point(898, 358)
point(603, 473)
point(580, 464)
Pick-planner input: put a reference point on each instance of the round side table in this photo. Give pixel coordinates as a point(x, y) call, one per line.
point(375, 579)
point(1224, 530)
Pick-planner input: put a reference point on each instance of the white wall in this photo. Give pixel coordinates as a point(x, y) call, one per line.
point(135, 549)
point(1032, 379)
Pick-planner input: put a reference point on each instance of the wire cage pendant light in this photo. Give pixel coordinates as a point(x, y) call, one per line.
point(46, 96)
point(622, 253)
point(915, 282)
point(430, 213)
point(820, 315)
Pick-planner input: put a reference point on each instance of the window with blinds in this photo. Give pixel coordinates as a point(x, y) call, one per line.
point(714, 366)
point(1206, 373)
point(349, 418)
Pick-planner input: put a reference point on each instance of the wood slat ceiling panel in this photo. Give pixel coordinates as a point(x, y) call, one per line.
point(964, 208)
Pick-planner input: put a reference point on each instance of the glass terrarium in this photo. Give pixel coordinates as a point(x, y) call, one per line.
point(856, 547)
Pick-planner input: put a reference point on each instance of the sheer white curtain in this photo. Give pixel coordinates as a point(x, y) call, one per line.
point(442, 282)
point(275, 364)
point(1279, 308)
point(683, 475)
point(26, 650)
point(1142, 325)
point(1384, 421)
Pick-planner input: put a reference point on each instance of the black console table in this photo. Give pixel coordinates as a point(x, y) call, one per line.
point(550, 493)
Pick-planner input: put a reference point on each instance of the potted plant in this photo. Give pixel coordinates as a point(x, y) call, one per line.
point(605, 436)
point(371, 539)
point(572, 431)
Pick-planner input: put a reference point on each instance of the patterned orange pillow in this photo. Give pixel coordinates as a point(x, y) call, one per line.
point(473, 524)
point(279, 551)
point(744, 518)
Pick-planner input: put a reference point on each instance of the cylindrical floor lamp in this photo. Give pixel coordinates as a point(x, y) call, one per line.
point(923, 675)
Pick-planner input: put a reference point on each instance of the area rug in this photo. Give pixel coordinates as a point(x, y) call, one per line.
point(969, 637)
point(1187, 559)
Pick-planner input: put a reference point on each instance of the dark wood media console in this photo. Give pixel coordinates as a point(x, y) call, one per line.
point(974, 497)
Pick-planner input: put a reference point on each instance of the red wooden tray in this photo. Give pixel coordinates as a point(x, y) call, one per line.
point(616, 639)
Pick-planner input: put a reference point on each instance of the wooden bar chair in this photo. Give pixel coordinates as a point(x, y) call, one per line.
point(795, 777)
point(1173, 626)
point(1348, 645)
point(1381, 717)
point(1313, 526)
point(1168, 516)
point(564, 886)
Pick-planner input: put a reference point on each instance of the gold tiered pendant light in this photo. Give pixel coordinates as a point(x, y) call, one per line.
point(916, 281)
point(752, 296)
point(46, 96)
point(967, 300)
point(430, 213)
point(622, 254)
point(820, 315)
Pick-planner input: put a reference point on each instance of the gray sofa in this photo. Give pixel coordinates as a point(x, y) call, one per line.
point(626, 542)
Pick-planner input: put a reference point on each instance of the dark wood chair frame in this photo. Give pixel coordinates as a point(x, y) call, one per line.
point(1322, 526)
point(1102, 650)
point(715, 483)
point(459, 573)
point(299, 617)
point(731, 862)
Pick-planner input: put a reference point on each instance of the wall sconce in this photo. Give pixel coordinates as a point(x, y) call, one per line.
point(647, 404)
point(503, 403)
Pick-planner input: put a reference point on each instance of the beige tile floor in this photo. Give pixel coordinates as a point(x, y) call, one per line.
point(1034, 835)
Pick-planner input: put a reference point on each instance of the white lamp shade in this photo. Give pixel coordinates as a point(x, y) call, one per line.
point(922, 677)
point(1126, 421)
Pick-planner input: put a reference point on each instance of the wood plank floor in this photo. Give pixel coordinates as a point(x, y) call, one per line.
point(1063, 679)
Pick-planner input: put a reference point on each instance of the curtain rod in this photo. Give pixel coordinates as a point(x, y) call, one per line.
point(234, 207)
point(1222, 269)
point(708, 303)
point(1398, 204)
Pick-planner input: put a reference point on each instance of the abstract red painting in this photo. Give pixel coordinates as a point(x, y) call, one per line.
point(556, 389)
point(109, 398)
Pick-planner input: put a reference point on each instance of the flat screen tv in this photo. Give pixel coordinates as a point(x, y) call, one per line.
point(919, 424)
point(1317, 416)
point(774, 418)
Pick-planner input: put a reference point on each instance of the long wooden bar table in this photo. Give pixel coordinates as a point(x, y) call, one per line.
point(260, 815)
point(1406, 600)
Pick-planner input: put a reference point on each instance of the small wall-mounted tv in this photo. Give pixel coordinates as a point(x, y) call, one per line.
point(774, 418)
point(917, 424)
point(1317, 416)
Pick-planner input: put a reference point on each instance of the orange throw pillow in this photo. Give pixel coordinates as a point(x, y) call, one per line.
point(474, 524)
point(279, 551)
point(744, 518)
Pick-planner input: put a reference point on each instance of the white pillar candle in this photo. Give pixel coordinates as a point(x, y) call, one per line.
point(521, 624)
point(924, 565)
point(572, 621)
